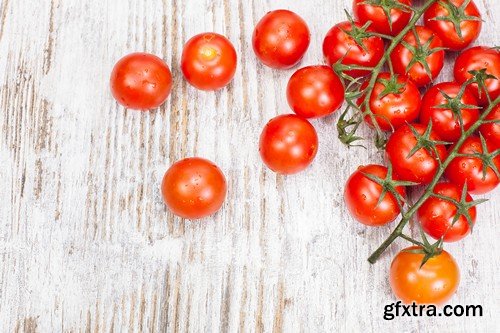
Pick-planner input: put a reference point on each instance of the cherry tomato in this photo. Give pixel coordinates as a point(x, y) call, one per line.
point(338, 44)
point(288, 144)
point(194, 188)
point(395, 101)
point(491, 131)
point(362, 197)
point(451, 22)
point(315, 91)
point(376, 14)
point(141, 81)
point(427, 56)
point(433, 283)
point(437, 216)
point(443, 113)
point(280, 39)
point(476, 59)
point(421, 166)
point(208, 61)
point(470, 170)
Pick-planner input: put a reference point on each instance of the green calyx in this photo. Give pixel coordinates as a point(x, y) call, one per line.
point(456, 15)
point(479, 77)
point(455, 104)
point(391, 86)
point(387, 6)
point(424, 141)
point(421, 52)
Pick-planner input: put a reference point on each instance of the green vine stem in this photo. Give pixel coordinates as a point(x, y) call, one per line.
point(408, 215)
point(375, 71)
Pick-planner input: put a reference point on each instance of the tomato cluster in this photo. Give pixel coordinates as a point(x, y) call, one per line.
point(432, 130)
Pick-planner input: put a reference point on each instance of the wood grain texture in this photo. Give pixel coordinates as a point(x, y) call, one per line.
point(86, 244)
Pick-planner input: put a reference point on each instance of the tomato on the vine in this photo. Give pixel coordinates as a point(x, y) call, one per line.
point(194, 188)
point(280, 39)
point(395, 101)
point(315, 91)
point(433, 283)
point(443, 106)
point(208, 61)
point(354, 45)
point(485, 62)
point(437, 216)
point(419, 56)
point(288, 144)
point(362, 196)
point(491, 130)
point(376, 13)
point(457, 22)
point(472, 171)
point(422, 165)
point(141, 81)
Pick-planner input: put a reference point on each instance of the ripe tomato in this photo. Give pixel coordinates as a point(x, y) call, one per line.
point(288, 144)
point(338, 44)
point(208, 61)
point(315, 91)
point(141, 81)
point(362, 194)
point(470, 170)
point(479, 58)
point(194, 188)
point(280, 39)
point(437, 216)
point(429, 57)
point(433, 283)
point(376, 14)
point(395, 101)
point(453, 23)
point(491, 131)
point(421, 166)
point(443, 113)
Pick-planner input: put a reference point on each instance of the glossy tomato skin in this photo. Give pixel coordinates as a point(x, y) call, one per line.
point(288, 144)
point(379, 20)
point(141, 81)
point(208, 61)
point(339, 45)
point(444, 122)
point(477, 58)
point(280, 39)
point(194, 188)
point(393, 110)
point(469, 170)
point(362, 194)
point(491, 131)
point(421, 166)
point(437, 215)
point(446, 29)
point(315, 91)
point(433, 283)
point(401, 57)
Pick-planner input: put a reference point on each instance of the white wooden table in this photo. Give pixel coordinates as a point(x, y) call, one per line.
point(86, 243)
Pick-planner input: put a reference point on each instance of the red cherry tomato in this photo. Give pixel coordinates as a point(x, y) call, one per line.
point(479, 58)
point(491, 131)
point(315, 91)
point(401, 56)
point(445, 121)
point(437, 216)
point(288, 144)
point(208, 61)
point(141, 81)
point(376, 14)
point(280, 39)
point(421, 166)
point(338, 44)
point(395, 101)
point(362, 197)
point(470, 170)
point(447, 18)
point(194, 188)
point(433, 283)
